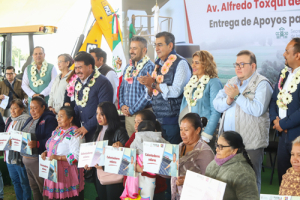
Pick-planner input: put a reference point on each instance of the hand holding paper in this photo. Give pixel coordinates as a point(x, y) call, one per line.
point(4, 102)
point(180, 180)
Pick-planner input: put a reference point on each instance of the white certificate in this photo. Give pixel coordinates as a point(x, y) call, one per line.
point(16, 141)
point(197, 186)
point(99, 154)
point(161, 158)
point(120, 160)
point(86, 154)
point(277, 197)
point(44, 167)
point(4, 102)
point(4, 138)
point(48, 169)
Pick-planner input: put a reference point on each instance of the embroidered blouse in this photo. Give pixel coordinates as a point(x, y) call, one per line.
point(67, 144)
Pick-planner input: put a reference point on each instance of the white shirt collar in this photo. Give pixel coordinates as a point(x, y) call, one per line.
point(295, 71)
point(85, 80)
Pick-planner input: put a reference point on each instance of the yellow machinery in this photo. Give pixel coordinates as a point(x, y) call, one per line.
point(102, 26)
point(8, 32)
point(103, 14)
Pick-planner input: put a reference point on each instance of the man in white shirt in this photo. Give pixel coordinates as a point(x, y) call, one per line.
point(100, 63)
point(285, 106)
point(38, 77)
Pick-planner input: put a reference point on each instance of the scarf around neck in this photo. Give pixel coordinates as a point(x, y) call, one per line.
point(221, 161)
point(14, 157)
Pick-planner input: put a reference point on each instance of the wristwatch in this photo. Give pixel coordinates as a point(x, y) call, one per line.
point(153, 85)
point(235, 98)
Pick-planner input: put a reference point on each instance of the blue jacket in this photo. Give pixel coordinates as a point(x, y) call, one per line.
point(291, 122)
point(44, 128)
point(205, 107)
point(101, 91)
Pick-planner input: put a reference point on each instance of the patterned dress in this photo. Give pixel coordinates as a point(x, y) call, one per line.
point(70, 179)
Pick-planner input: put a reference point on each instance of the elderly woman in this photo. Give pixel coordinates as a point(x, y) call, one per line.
point(64, 147)
point(58, 89)
point(194, 153)
point(200, 92)
point(291, 180)
point(233, 166)
point(109, 128)
point(41, 124)
point(15, 166)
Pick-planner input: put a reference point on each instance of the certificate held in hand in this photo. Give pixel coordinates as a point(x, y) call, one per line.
point(120, 160)
point(197, 186)
point(161, 158)
point(48, 169)
point(4, 138)
point(92, 153)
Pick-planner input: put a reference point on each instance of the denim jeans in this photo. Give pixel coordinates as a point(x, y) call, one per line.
point(19, 178)
point(1, 186)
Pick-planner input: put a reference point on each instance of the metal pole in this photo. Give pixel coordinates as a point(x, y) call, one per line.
point(31, 45)
point(8, 50)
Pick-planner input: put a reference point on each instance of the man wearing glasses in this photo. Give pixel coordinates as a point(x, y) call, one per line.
point(244, 102)
point(10, 88)
point(165, 86)
point(39, 76)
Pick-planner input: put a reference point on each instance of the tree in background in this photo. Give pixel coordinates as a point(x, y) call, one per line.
point(18, 58)
point(271, 69)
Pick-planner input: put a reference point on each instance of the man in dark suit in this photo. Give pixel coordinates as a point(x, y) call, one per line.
point(91, 88)
point(285, 105)
point(100, 63)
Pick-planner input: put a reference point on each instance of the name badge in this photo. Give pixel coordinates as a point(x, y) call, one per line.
point(56, 138)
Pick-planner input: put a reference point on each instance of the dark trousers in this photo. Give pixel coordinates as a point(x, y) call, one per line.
point(283, 155)
point(108, 192)
point(171, 133)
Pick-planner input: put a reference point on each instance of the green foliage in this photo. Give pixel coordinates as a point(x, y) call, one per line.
point(17, 56)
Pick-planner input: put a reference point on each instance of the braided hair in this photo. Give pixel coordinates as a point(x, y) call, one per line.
point(235, 140)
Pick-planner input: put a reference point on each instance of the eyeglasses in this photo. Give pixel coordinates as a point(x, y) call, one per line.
point(60, 61)
point(219, 146)
point(9, 74)
point(158, 45)
point(240, 65)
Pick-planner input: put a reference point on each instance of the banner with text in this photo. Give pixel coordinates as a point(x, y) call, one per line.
point(262, 26)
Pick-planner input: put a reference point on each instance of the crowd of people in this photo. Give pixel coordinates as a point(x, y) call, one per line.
point(221, 131)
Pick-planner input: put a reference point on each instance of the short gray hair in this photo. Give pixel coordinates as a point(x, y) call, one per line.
point(296, 141)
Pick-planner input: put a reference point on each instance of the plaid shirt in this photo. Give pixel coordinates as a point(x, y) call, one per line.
point(133, 95)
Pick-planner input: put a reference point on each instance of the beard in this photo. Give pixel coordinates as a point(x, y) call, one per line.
point(286, 63)
point(135, 57)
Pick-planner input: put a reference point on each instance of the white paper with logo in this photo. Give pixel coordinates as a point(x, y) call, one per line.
point(197, 186)
point(160, 158)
